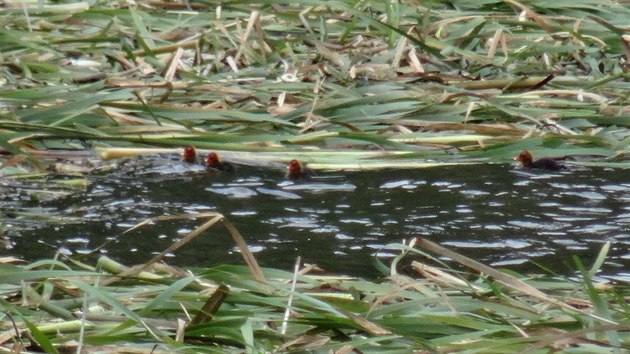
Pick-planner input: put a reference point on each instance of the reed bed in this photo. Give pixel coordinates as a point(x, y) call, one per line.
point(341, 85)
point(454, 81)
point(422, 304)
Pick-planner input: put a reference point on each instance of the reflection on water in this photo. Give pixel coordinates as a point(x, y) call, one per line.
point(492, 213)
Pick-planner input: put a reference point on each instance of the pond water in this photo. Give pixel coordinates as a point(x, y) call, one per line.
point(496, 214)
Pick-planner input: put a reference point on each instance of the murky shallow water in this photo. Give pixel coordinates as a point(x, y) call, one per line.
point(493, 213)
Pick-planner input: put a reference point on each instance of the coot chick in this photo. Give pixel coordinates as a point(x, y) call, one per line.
point(212, 161)
point(526, 160)
point(295, 170)
point(189, 154)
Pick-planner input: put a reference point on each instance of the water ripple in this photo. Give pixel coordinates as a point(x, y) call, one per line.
point(491, 213)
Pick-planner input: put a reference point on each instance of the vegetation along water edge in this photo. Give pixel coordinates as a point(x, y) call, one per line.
point(332, 85)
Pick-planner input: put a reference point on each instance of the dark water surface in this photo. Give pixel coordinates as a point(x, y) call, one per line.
point(492, 213)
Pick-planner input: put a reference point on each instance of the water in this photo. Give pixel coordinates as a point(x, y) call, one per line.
point(339, 221)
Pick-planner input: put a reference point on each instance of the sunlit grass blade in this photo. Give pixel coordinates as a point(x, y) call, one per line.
point(437, 313)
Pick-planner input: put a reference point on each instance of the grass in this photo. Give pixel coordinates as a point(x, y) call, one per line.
point(422, 304)
point(452, 81)
point(342, 85)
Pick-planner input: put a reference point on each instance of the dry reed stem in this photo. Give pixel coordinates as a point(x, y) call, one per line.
point(506, 279)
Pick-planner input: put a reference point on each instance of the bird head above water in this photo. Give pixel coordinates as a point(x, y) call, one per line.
point(189, 154)
point(294, 169)
point(212, 160)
